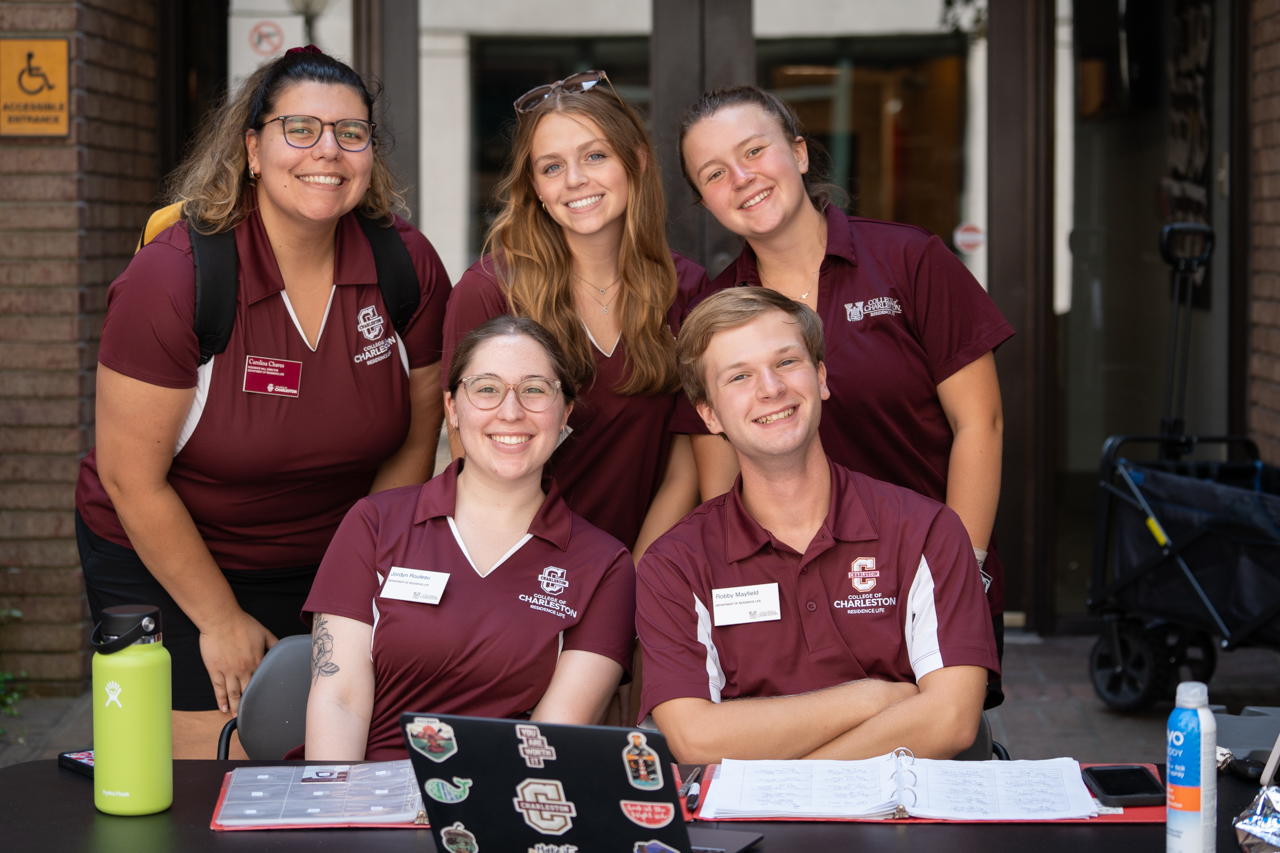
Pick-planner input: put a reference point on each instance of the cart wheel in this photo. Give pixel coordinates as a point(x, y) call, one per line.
point(1134, 681)
point(1192, 654)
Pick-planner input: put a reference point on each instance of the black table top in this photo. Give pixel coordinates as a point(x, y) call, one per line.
point(46, 808)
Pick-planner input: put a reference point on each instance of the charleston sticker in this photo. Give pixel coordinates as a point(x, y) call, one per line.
point(442, 792)
point(654, 846)
point(542, 804)
point(648, 815)
point(432, 738)
point(457, 839)
point(644, 771)
point(533, 747)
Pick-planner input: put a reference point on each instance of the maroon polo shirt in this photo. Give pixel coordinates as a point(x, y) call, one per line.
point(490, 647)
point(888, 589)
point(610, 466)
point(267, 478)
point(900, 314)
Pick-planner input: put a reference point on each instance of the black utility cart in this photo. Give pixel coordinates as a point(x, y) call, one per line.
point(1186, 555)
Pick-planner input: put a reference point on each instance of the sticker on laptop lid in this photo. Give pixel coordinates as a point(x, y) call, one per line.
point(442, 792)
point(541, 847)
point(432, 739)
point(648, 815)
point(544, 807)
point(458, 839)
point(644, 770)
point(654, 846)
point(533, 747)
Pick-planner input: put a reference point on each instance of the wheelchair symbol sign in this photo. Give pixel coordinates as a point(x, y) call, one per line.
point(33, 87)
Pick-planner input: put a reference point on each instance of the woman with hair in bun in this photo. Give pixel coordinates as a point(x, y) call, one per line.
point(579, 245)
point(215, 487)
point(910, 333)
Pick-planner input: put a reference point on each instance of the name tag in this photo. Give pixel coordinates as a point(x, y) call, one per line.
point(735, 605)
point(416, 585)
point(275, 376)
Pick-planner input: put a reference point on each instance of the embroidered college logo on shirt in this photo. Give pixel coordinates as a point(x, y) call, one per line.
point(864, 574)
point(553, 580)
point(855, 311)
point(369, 323)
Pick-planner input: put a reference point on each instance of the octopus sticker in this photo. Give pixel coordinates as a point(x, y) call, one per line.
point(432, 738)
point(457, 839)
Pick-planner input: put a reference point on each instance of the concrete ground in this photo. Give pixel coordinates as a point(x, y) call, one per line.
point(1051, 709)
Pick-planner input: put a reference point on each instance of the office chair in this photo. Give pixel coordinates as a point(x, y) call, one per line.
point(273, 710)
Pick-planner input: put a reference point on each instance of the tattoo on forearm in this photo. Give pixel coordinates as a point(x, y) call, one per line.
point(321, 650)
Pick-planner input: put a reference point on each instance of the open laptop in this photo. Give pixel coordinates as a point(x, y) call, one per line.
point(495, 786)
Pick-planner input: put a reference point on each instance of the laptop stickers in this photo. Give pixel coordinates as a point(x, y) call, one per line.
point(544, 788)
point(544, 806)
point(442, 792)
point(644, 771)
point(432, 738)
point(456, 839)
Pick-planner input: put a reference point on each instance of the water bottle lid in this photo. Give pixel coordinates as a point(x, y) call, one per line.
point(125, 624)
point(1193, 694)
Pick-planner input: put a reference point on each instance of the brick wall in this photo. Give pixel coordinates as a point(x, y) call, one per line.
point(1264, 308)
point(70, 210)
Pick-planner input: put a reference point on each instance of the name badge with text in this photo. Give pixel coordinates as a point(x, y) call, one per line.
point(735, 605)
point(275, 376)
point(417, 585)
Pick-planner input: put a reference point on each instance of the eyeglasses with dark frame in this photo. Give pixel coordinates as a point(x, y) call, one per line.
point(351, 134)
point(487, 392)
point(574, 84)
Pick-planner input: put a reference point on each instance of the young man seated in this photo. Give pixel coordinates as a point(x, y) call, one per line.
point(843, 616)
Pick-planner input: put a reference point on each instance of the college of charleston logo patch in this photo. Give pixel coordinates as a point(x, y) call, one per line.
point(864, 574)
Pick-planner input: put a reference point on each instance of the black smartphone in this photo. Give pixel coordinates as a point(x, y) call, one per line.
point(1124, 785)
point(77, 762)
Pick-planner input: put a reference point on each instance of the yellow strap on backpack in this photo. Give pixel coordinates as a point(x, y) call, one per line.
point(158, 221)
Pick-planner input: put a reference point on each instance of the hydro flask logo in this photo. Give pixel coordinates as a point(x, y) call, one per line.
point(113, 695)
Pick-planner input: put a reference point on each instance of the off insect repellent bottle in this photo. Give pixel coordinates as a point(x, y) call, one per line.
point(1192, 811)
point(132, 702)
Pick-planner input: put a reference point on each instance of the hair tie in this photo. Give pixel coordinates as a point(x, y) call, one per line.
point(311, 48)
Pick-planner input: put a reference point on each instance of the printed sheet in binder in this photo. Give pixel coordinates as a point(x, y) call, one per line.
point(899, 785)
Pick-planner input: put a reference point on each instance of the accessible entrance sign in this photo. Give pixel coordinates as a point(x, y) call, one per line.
point(35, 98)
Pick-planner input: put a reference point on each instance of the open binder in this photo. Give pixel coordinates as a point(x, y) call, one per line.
point(898, 786)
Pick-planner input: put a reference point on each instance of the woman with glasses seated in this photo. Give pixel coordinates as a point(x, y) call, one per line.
point(480, 592)
point(215, 488)
point(579, 245)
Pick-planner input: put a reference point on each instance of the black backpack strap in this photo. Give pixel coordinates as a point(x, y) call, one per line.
point(217, 281)
point(397, 278)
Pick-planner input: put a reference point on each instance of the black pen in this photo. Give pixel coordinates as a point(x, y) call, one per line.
point(688, 783)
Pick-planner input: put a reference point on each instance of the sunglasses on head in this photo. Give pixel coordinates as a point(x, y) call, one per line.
point(574, 84)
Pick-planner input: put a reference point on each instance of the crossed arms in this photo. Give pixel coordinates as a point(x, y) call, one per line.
point(860, 719)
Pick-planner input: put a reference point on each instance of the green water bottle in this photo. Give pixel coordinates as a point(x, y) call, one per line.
point(132, 701)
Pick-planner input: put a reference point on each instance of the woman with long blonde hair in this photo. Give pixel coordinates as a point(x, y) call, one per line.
point(217, 483)
point(579, 246)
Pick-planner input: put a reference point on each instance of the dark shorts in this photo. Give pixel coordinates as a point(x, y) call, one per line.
point(115, 575)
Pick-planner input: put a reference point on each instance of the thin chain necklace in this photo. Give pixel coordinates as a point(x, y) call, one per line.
point(602, 290)
point(604, 306)
point(802, 297)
